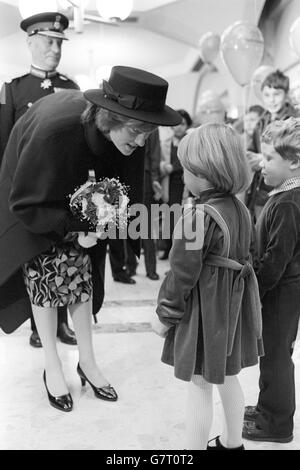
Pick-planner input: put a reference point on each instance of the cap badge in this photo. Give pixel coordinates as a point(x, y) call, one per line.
point(57, 24)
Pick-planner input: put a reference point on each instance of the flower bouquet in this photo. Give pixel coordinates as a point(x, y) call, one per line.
point(100, 203)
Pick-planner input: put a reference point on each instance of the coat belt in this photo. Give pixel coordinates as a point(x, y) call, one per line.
point(245, 282)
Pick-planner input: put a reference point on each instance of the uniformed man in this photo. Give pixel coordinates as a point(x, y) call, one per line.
point(45, 34)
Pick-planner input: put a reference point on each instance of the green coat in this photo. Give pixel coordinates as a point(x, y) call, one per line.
point(210, 303)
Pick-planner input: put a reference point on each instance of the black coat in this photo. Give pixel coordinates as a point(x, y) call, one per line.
point(19, 95)
point(48, 155)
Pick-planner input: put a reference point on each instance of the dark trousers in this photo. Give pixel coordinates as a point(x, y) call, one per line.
point(62, 317)
point(175, 197)
point(117, 256)
point(276, 402)
point(148, 243)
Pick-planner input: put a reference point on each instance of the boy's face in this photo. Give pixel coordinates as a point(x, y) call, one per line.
point(275, 169)
point(250, 121)
point(180, 129)
point(273, 98)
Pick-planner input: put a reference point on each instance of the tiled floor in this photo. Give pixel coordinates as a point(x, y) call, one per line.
point(150, 412)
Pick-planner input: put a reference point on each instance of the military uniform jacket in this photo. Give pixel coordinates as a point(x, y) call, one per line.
point(48, 156)
point(19, 95)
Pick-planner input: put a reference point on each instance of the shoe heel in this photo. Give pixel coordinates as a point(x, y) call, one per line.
point(83, 381)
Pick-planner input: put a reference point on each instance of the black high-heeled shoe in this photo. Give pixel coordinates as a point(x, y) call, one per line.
point(220, 446)
point(62, 403)
point(105, 393)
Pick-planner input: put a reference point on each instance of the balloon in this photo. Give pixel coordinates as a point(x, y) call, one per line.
point(294, 36)
point(258, 78)
point(209, 46)
point(242, 48)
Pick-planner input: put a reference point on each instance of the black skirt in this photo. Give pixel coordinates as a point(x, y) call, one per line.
point(60, 276)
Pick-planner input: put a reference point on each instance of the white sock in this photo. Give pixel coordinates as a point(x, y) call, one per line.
point(199, 413)
point(233, 402)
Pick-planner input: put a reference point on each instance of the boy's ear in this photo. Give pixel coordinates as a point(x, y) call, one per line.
point(295, 164)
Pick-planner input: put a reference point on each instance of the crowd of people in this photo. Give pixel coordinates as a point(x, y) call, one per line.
point(231, 297)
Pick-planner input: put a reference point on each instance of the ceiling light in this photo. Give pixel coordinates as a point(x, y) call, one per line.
point(31, 7)
point(109, 9)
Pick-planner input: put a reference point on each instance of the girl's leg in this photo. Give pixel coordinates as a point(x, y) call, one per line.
point(233, 402)
point(46, 323)
point(199, 413)
point(82, 320)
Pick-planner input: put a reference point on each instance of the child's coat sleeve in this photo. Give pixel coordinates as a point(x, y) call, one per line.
point(186, 264)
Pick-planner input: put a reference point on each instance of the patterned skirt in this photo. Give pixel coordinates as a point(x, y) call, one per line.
point(59, 277)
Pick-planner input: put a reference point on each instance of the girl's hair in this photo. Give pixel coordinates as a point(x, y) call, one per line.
point(285, 137)
point(216, 152)
point(108, 120)
point(277, 80)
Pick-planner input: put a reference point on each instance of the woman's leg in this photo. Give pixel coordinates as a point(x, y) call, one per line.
point(233, 402)
point(199, 413)
point(46, 323)
point(81, 314)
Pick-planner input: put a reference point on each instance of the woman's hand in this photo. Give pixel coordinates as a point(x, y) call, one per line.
point(158, 327)
point(89, 240)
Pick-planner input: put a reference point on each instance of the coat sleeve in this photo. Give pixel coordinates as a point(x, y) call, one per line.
point(41, 184)
point(283, 237)
point(186, 264)
point(7, 116)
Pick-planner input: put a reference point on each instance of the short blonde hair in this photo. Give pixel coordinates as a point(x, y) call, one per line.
point(216, 152)
point(285, 138)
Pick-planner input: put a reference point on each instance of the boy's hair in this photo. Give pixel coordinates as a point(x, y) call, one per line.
point(277, 80)
point(285, 138)
point(256, 108)
point(216, 152)
point(183, 113)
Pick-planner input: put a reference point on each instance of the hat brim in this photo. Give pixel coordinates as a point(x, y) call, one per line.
point(166, 117)
point(53, 34)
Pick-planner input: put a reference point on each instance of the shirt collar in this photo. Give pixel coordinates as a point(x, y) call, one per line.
point(287, 185)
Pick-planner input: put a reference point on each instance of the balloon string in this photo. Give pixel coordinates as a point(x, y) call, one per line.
point(245, 97)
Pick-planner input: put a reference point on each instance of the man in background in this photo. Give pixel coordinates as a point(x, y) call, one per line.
point(45, 35)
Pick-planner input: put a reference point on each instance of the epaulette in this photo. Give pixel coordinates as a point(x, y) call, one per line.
point(65, 77)
point(10, 80)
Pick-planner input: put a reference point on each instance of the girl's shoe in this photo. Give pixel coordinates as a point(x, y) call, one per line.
point(62, 403)
point(105, 393)
point(219, 446)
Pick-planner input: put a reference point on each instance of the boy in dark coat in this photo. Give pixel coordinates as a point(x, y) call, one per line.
point(278, 232)
point(275, 90)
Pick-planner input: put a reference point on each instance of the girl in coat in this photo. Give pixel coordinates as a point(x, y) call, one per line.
point(208, 305)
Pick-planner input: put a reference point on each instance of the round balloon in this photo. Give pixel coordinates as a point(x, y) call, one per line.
point(294, 36)
point(209, 46)
point(259, 76)
point(242, 48)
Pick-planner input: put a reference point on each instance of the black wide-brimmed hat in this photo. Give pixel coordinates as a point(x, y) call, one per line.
point(136, 94)
point(50, 24)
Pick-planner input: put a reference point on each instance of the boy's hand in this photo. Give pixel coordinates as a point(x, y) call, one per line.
point(158, 327)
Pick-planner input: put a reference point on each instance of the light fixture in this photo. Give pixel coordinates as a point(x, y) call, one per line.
point(65, 4)
point(31, 7)
point(109, 9)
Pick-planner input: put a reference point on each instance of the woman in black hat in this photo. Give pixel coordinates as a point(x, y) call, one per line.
point(51, 151)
